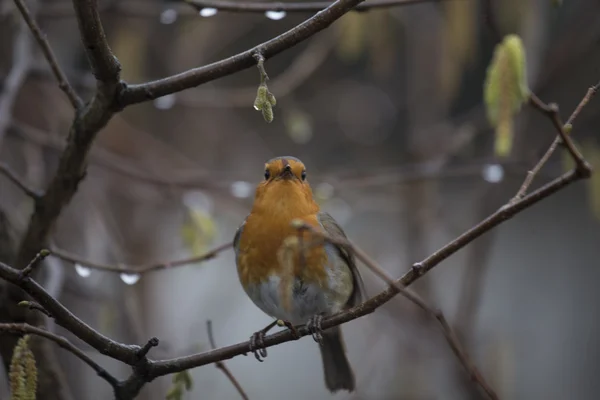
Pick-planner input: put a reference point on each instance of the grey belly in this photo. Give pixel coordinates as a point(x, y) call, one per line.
point(307, 300)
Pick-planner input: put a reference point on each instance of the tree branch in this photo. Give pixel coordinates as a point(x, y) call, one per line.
point(23, 329)
point(543, 108)
point(133, 94)
point(22, 49)
point(139, 269)
point(12, 176)
point(105, 66)
point(436, 314)
point(67, 320)
point(63, 82)
point(261, 7)
point(86, 124)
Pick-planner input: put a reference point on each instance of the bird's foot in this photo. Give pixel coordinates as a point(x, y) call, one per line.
point(257, 345)
point(290, 326)
point(314, 327)
point(257, 342)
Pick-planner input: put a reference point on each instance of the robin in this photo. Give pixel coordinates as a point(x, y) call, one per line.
point(320, 280)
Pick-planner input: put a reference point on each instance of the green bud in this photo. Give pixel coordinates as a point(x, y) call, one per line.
point(568, 128)
point(271, 98)
point(267, 112)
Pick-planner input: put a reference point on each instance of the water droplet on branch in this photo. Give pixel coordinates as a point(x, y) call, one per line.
point(130, 279)
point(208, 12)
point(165, 102)
point(275, 15)
point(82, 271)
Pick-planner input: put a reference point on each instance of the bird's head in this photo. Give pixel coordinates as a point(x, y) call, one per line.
point(285, 187)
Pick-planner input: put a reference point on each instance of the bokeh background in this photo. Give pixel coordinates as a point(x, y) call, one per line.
point(385, 109)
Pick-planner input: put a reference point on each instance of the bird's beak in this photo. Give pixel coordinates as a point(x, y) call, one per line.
point(287, 173)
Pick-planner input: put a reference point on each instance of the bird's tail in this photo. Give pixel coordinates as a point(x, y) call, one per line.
point(336, 367)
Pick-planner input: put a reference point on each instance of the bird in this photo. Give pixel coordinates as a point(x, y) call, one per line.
point(319, 281)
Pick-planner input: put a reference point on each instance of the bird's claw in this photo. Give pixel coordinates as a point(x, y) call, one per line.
point(314, 327)
point(292, 329)
point(257, 345)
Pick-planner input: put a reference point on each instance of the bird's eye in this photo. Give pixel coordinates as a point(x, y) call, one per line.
point(267, 174)
point(304, 175)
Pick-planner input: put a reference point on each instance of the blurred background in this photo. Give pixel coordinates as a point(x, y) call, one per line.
point(385, 109)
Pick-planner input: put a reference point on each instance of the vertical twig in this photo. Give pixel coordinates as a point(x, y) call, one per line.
point(221, 365)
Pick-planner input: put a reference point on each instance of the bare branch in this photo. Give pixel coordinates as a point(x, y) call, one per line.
point(139, 269)
point(551, 111)
point(561, 129)
point(133, 94)
point(221, 365)
point(32, 305)
point(261, 7)
point(25, 272)
point(449, 334)
point(22, 49)
point(105, 345)
point(63, 83)
point(105, 66)
point(62, 342)
point(86, 124)
point(12, 176)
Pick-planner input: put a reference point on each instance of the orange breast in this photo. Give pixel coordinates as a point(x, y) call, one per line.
point(261, 239)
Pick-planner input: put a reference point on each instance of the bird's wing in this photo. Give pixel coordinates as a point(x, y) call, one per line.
point(236, 238)
point(333, 229)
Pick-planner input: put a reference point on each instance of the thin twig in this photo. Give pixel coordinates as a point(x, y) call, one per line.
point(32, 305)
point(551, 111)
point(25, 272)
point(262, 7)
point(62, 342)
point(260, 64)
point(22, 55)
point(63, 82)
point(221, 365)
point(19, 182)
point(152, 342)
point(138, 269)
point(449, 334)
point(540, 164)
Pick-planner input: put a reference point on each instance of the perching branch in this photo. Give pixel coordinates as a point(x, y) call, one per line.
point(262, 7)
point(221, 365)
point(436, 314)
